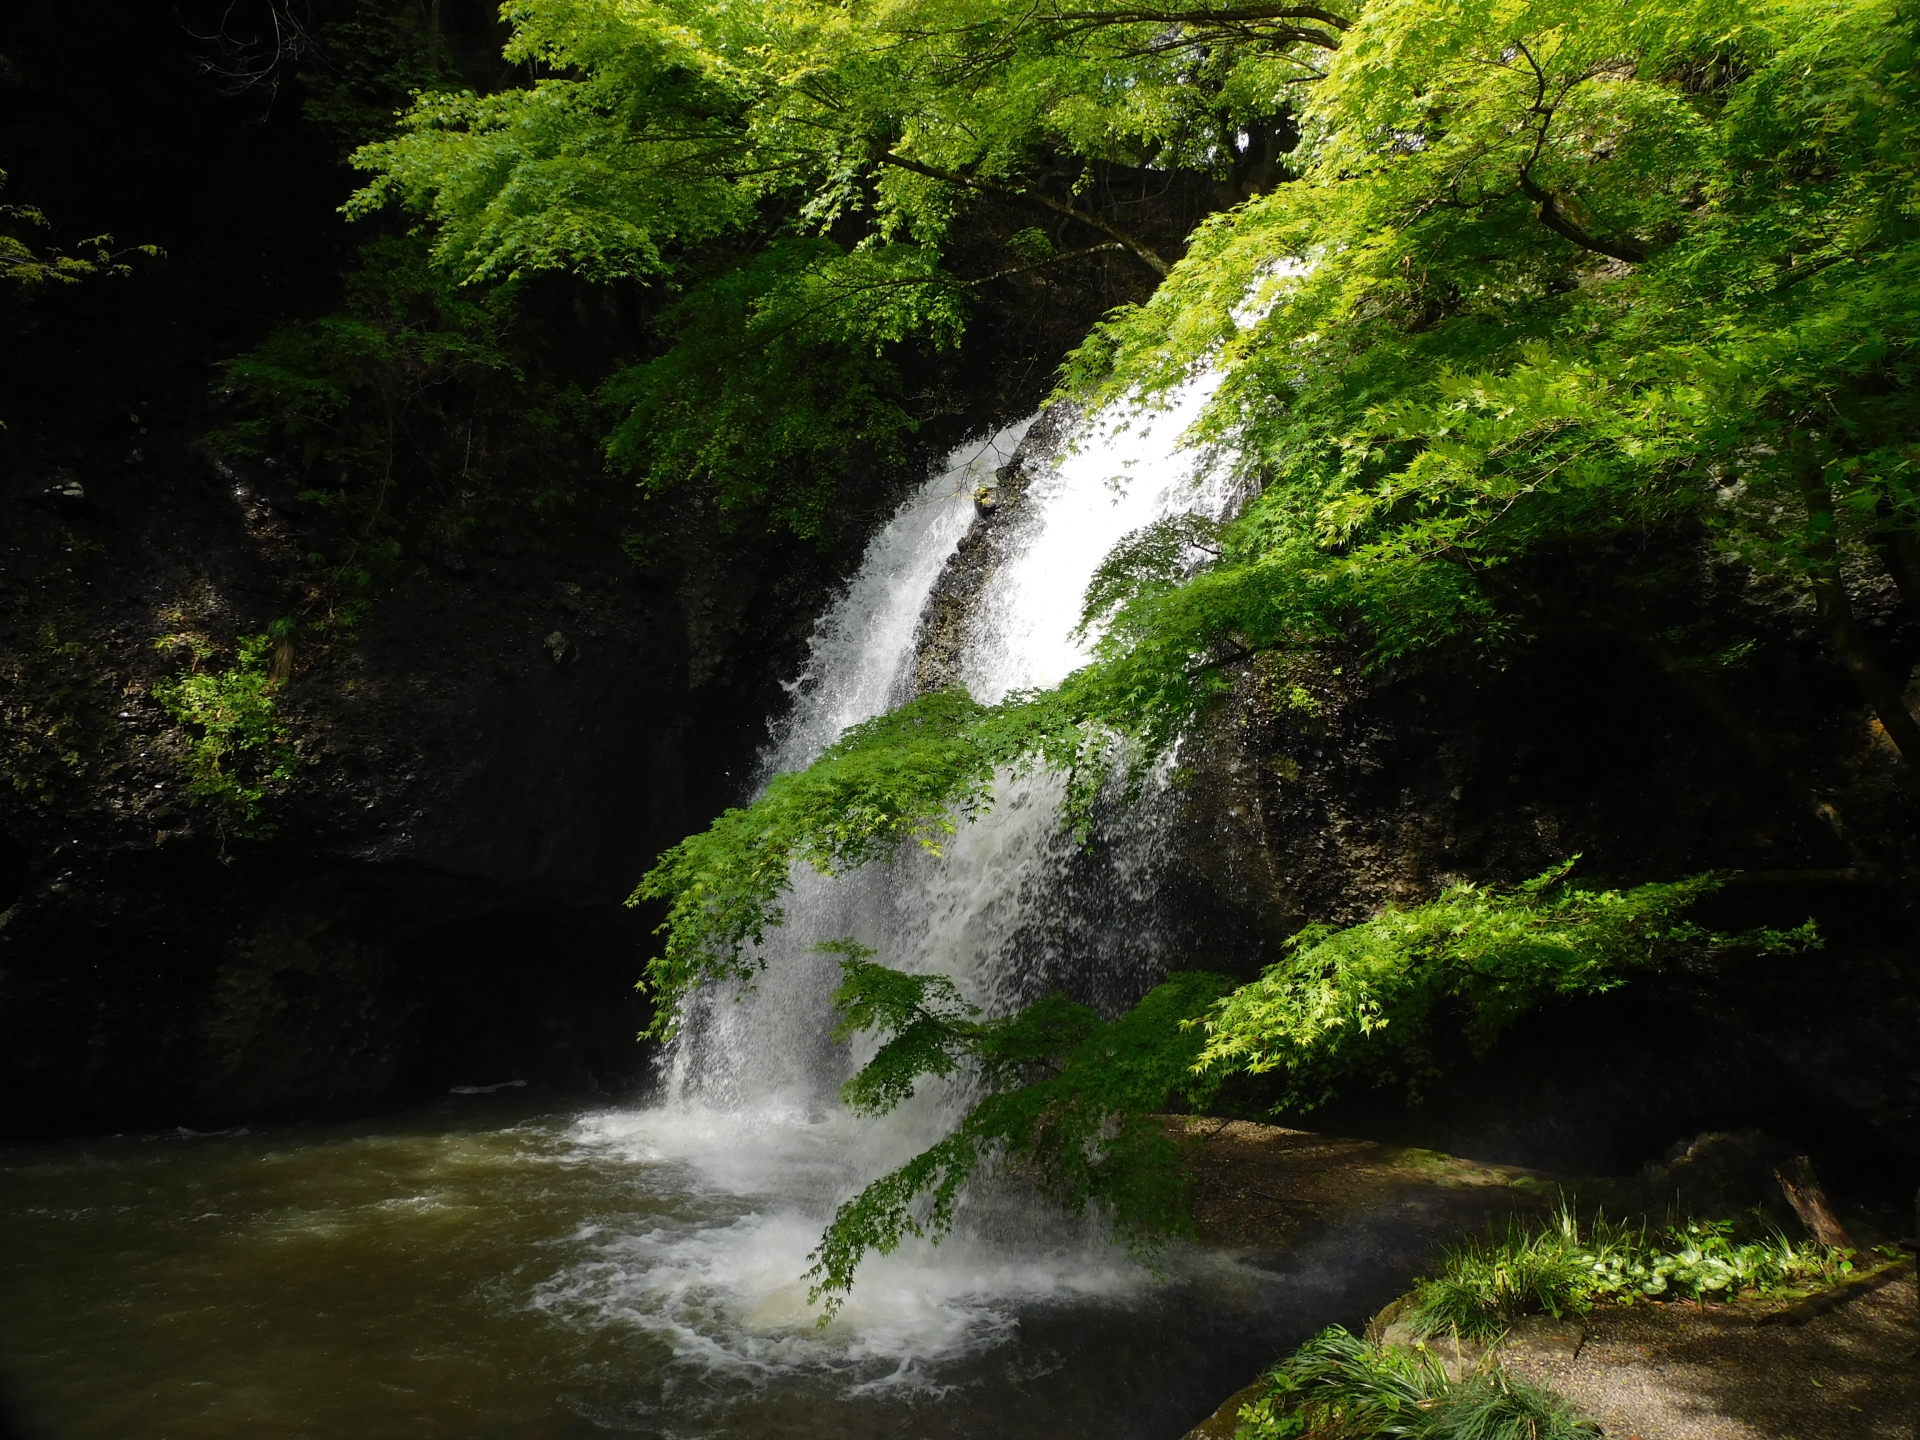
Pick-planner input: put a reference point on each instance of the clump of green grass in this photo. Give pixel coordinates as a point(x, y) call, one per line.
point(1566, 1267)
point(1340, 1387)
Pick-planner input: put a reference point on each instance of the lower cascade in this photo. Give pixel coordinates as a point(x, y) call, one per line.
point(747, 1106)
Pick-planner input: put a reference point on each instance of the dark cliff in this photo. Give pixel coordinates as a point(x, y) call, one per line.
point(527, 706)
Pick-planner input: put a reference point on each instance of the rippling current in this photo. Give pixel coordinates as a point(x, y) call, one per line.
point(477, 1270)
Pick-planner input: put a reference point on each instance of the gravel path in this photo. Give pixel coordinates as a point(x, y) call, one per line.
point(1679, 1372)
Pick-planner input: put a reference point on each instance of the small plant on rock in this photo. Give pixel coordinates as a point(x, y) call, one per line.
point(239, 748)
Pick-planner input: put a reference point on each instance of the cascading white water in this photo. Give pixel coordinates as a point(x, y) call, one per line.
point(748, 1114)
point(863, 647)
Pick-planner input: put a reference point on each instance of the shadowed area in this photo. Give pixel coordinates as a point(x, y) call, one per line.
point(491, 1267)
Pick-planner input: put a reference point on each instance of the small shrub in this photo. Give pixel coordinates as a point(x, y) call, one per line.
point(1484, 1285)
point(1491, 1405)
point(239, 747)
point(1340, 1387)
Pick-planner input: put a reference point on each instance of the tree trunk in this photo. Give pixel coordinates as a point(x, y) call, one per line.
point(1809, 1201)
point(1843, 629)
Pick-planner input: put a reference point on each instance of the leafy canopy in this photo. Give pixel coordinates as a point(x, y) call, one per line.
point(801, 170)
point(1555, 273)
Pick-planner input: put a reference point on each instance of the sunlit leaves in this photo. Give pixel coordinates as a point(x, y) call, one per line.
point(906, 777)
point(779, 367)
point(1428, 380)
point(1071, 1103)
point(798, 166)
point(1366, 1004)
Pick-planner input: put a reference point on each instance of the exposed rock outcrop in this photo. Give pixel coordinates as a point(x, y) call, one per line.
point(946, 622)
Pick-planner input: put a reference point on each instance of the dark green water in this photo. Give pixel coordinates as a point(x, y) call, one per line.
point(482, 1270)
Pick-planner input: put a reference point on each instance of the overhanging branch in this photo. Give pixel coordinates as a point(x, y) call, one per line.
point(1557, 220)
point(1139, 248)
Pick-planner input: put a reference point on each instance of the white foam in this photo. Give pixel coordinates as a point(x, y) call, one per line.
point(862, 649)
point(722, 1281)
point(749, 1135)
point(731, 1297)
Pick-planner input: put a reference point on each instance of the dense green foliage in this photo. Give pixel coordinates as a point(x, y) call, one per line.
point(239, 749)
point(1070, 1099)
point(804, 170)
point(1565, 1268)
point(1340, 1385)
point(1429, 381)
point(1545, 284)
point(1550, 272)
point(1362, 1004)
point(1556, 272)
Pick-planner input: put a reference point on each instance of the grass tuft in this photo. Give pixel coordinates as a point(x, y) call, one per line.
point(1565, 1267)
point(1340, 1387)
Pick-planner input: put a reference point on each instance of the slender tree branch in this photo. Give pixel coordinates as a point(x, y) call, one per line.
point(1224, 15)
point(1552, 213)
point(1210, 25)
point(1060, 258)
point(1140, 249)
point(1557, 220)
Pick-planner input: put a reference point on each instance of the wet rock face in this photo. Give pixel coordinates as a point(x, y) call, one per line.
point(440, 901)
point(1324, 791)
point(946, 622)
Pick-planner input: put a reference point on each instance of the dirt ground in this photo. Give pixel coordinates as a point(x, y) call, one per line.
point(1647, 1372)
point(1683, 1372)
point(1267, 1188)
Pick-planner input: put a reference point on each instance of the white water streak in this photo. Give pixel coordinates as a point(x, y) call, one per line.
point(749, 1117)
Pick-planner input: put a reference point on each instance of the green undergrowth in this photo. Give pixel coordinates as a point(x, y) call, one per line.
point(1340, 1387)
point(239, 750)
point(1566, 1268)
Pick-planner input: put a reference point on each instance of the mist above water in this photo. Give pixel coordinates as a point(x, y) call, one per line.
point(748, 1097)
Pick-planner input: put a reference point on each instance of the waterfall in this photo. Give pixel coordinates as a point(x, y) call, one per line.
point(748, 1115)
